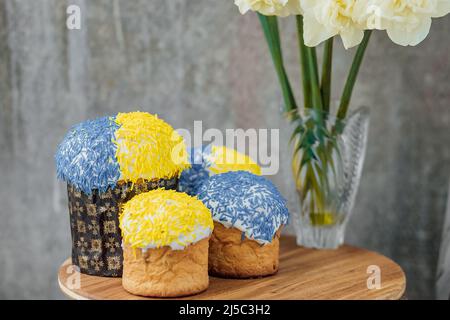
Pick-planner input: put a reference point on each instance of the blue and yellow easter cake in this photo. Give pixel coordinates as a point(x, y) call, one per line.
point(209, 160)
point(106, 162)
point(248, 213)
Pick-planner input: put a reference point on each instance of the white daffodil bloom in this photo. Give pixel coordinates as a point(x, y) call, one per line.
point(324, 19)
point(407, 22)
point(281, 8)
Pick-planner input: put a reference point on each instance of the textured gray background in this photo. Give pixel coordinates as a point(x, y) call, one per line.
point(199, 59)
point(443, 272)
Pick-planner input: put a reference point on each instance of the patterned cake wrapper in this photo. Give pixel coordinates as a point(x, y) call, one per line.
point(94, 221)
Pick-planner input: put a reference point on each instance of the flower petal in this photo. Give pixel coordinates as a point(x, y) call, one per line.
point(281, 8)
point(352, 37)
point(243, 6)
point(314, 33)
point(403, 37)
point(442, 8)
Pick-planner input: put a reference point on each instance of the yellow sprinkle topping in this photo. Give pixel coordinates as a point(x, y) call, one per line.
point(161, 218)
point(148, 148)
point(225, 159)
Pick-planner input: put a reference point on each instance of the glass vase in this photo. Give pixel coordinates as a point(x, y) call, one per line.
point(327, 165)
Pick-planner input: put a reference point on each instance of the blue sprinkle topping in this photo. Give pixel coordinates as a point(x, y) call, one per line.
point(247, 202)
point(86, 156)
point(193, 178)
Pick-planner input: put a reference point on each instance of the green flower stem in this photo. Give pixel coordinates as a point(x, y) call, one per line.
point(271, 32)
point(309, 65)
point(306, 77)
point(351, 79)
point(325, 86)
point(315, 88)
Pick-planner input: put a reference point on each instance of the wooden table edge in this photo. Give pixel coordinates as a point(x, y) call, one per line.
point(399, 295)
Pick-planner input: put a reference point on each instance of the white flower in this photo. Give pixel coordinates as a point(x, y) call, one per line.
point(407, 22)
point(281, 8)
point(323, 19)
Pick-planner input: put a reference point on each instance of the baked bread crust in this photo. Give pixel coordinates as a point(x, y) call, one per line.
point(232, 257)
point(165, 272)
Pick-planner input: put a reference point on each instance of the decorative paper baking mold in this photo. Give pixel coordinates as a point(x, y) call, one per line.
point(94, 222)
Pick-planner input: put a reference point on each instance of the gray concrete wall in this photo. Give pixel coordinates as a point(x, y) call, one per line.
point(199, 59)
point(443, 270)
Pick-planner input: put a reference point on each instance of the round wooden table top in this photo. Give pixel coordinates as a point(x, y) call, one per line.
point(346, 273)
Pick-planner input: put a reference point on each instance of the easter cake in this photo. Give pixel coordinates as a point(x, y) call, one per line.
point(165, 239)
point(210, 160)
point(248, 213)
point(106, 162)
